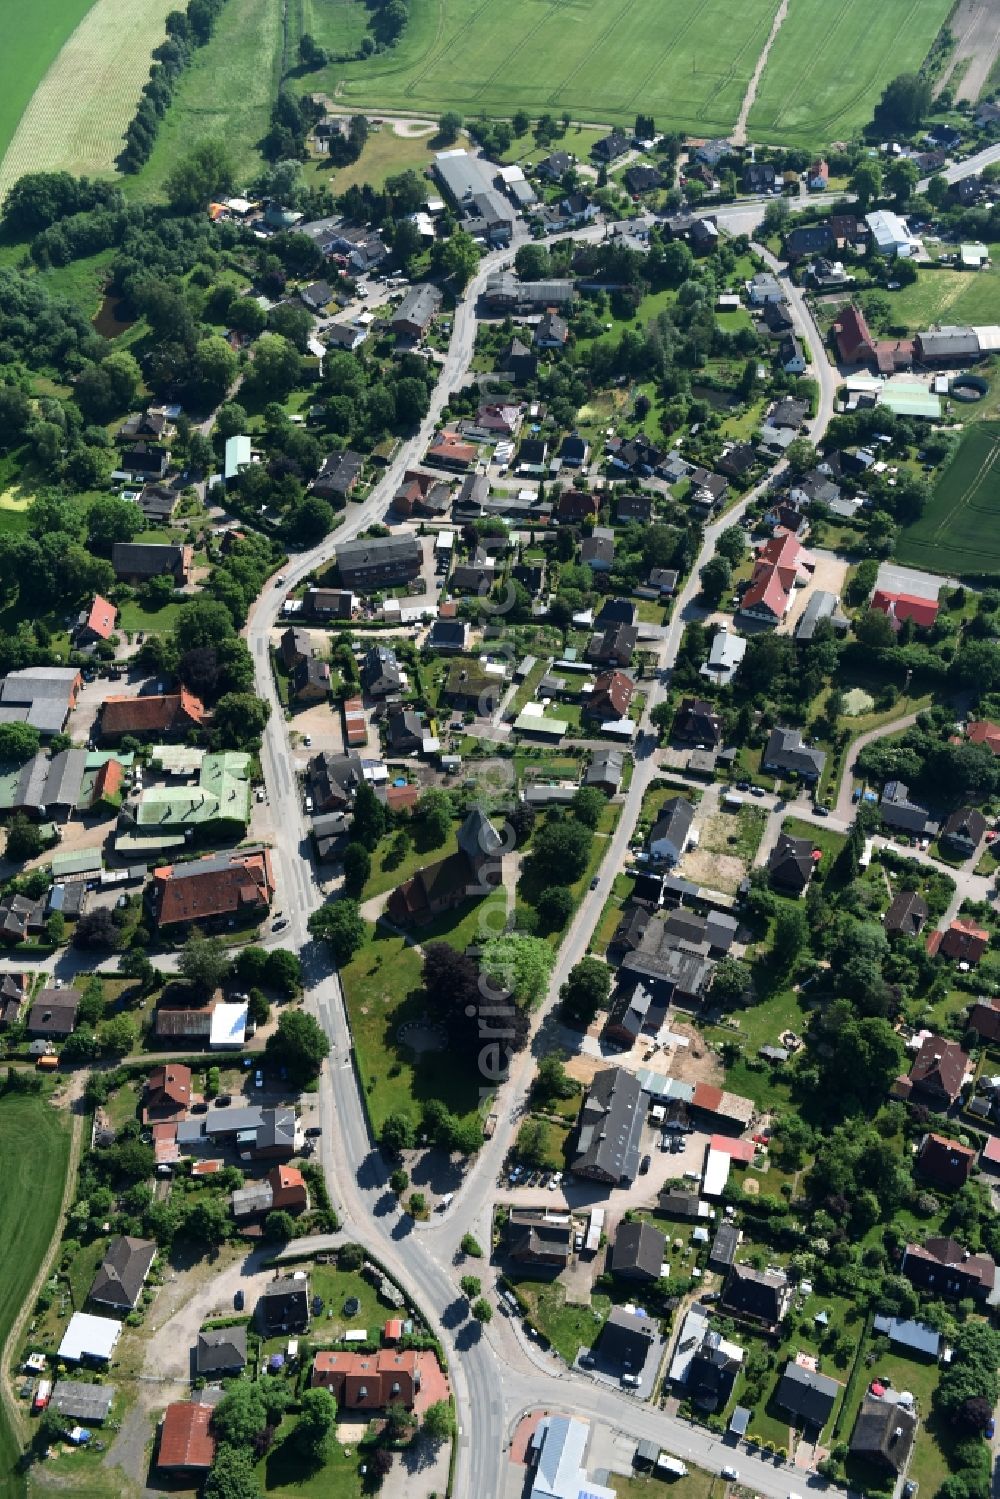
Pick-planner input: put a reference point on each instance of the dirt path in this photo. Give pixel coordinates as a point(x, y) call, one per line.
point(739, 135)
point(845, 807)
point(976, 25)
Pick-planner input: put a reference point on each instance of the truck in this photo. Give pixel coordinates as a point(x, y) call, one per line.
point(489, 1126)
point(42, 1395)
point(672, 1465)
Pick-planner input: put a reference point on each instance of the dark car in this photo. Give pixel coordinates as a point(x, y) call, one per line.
point(595, 882)
point(743, 785)
point(313, 1131)
point(223, 1101)
point(821, 811)
point(757, 791)
point(317, 1305)
point(199, 1108)
point(645, 1164)
point(239, 1301)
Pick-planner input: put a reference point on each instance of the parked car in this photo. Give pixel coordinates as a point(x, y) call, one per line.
point(556, 1181)
point(733, 1474)
point(645, 1164)
point(313, 1130)
point(223, 1101)
point(238, 1301)
point(630, 1381)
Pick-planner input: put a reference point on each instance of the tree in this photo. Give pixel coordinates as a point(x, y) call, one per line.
point(279, 1227)
point(455, 258)
point(204, 962)
point(449, 125)
point(97, 929)
point(200, 176)
point(555, 906)
point(276, 367)
point(317, 1413)
point(585, 991)
point(904, 102)
point(118, 1036)
point(369, 817)
point(776, 216)
point(435, 812)
point(732, 545)
point(791, 932)
point(866, 181)
point(552, 1081)
point(214, 367)
point(379, 1465)
point(521, 965)
point(588, 805)
point(339, 924)
point(24, 839)
point(399, 1181)
point(206, 1221)
point(482, 1311)
point(439, 1424)
point(233, 1474)
point(299, 1044)
point(240, 1415)
point(18, 742)
point(716, 580)
point(874, 630)
point(284, 971)
point(471, 1286)
point(471, 1246)
point(561, 849)
point(901, 179)
point(357, 868)
point(732, 979)
point(800, 456)
point(240, 719)
point(311, 55)
point(397, 1134)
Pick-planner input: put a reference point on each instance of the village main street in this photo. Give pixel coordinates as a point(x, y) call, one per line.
point(493, 1376)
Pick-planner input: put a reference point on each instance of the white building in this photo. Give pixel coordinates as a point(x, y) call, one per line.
point(728, 650)
point(89, 1337)
point(561, 1444)
point(891, 233)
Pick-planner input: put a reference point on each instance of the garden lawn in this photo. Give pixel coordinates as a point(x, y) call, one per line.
point(34, 1155)
point(605, 929)
point(808, 96)
point(383, 990)
point(823, 838)
point(133, 617)
point(336, 1287)
point(386, 154)
point(284, 1473)
point(696, 1485)
point(687, 66)
point(959, 530)
point(568, 1328)
point(386, 875)
point(947, 296)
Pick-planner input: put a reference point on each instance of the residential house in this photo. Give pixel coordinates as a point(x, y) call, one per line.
point(668, 838)
point(907, 915)
point(641, 179)
point(417, 311)
point(785, 753)
point(945, 1163)
point(757, 1296)
point(963, 941)
point(374, 563)
point(158, 715)
point(614, 646)
point(598, 553)
point(167, 1093)
point(818, 176)
point(610, 147)
point(627, 1338)
point(554, 167)
point(422, 496)
point(577, 505)
point(722, 1255)
point(221, 1352)
point(333, 780)
point(764, 288)
point(327, 603)
point(616, 611)
point(705, 1364)
point(13, 988)
point(633, 506)
point(518, 362)
point(684, 1207)
point(283, 1306)
point(791, 863)
point(738, 461)
point(282, 1190)
point(671, 962)
point(903, 606)
point(610, 697)
point(344, 337)
point(468, 688)
point(964, 830)
point(891, 234)
point(789, 413)
point(372, 1381)
point(404, 731)
point(21, 917)
point(96, 623)
point(294, 647)
point(158, 503)
point(758, 177)
point(338, 478)
point(317, 296)
point(943, 1267)
point(707, 490)
point(780, 564)
point(237, 883)
point(551, 331)
point(501, 419)
point(898, 811)
point(809, 239)
point(448, 636)
point(984, 1019)
point(661, 582)
point(791, 355)
point(724, 657)
point(532, 456)
point(807, 1395)
point(696, 722)
point(947, 346)
point(447, 450)
point(122, 1273)
point(186, 1441)
point(380, 673)
point(884, 1433)
point(605, 771)
point(609, 1128)
point(476, 575)
point(776, 319)
point(505, 291)
point(532, 1237)
point(981, 731)
point(144, 460)
point(937, 1075)
point(311, 681)
point(639, 1252)
point(53, 1013)
point(138, 561)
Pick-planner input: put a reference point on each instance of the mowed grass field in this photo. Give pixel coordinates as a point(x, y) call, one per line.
point(949, 296)
point(75, 118)
point(830, 63)
point(226, 94)
point(34, 1152)
point(959, 532)
point(33, 35)
point(688, 65)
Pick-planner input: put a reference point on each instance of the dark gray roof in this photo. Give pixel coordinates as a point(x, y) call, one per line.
point(755, 1293)
point(374, 550)
point(790, 861)
point(919, 1337)
point(786, 751)
point(723, 1250)
point(478, 838)
point(123, 1271)
point(81, 1401)
point(276, 1129)
point(674, 822)
point(639, 1251)
point(220, 1350)
point(807, 1394)
point(610, 1127)
point(418, 306)
point(884, 1433)
point(147, 558)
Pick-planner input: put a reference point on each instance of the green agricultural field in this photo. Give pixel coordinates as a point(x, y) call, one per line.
point(34, 1152)
point(830, 63)
point(959, 532)
point(226, 94)
point(689, 66)
point(33, 36)
point(71, 113)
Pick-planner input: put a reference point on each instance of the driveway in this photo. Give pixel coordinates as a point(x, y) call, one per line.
point(829, 574)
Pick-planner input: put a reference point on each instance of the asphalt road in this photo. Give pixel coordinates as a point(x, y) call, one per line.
point(495, 1376)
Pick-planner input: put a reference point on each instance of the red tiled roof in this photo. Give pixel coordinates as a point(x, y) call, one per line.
point(904, 606)
point(102, 617)
point(740, 1150)
point(984, 732)
point(945, 1161)
point(991, 1150)
point(614, 690)
point(855, 344)
point(227, 885)
point(984, 1019)
point(288, 1186)
point(159, 714)
point(185, 1439)
point(369, 1381)
point(706, 1097)
point(169, 1086)
point(402, 798)
point(964, 941)
point(108, 781)
point(767, 590)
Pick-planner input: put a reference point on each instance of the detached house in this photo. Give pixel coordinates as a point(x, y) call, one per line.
point(945, 1162)
point(791, 863)
point(609, 1128)
point(138, 561)
point(787, 754)
point(884, 1433)
point(943, 1267)
point(122, 1273)
point(964, 830)
point(696, 722)
point(239, 883)
point(668, 838)
point(937, 1075)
